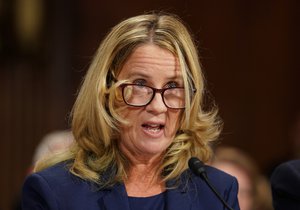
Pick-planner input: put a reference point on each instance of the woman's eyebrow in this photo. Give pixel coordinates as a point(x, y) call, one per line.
point(147, 76)
point(175, 77)
point(138, 74)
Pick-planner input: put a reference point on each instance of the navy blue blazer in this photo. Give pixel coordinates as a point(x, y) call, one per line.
point(55, 188)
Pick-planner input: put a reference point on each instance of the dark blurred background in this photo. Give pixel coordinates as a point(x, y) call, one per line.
point(249, 50)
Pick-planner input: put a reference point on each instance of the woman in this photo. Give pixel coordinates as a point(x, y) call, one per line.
point(136, 130)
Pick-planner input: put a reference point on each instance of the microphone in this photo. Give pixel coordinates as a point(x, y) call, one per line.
point(197, 167)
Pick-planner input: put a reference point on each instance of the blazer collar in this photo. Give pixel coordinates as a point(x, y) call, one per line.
point(176, 197)
point(178, 193)
point(114, 198)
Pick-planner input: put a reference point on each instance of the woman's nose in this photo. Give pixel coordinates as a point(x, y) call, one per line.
point(157, 104)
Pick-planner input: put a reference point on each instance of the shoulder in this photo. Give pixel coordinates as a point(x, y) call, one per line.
point(55, 176)
point(225, 184)
point(55, 187)
point(215, 173)
point(285, 180)
point(290, 168)
point(287, 173)
point(221, 180)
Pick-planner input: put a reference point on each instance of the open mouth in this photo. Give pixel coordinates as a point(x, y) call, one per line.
point(153, 127)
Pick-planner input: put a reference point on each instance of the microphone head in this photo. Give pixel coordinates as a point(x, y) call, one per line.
point(197, 166)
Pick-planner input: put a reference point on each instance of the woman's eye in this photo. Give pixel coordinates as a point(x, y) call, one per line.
point(139, 82)
point(172, 85)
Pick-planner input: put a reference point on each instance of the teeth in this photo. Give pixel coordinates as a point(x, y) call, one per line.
point(153, 129)
point(153, 125)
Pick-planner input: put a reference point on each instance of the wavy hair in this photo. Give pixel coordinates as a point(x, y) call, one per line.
point(95, 120)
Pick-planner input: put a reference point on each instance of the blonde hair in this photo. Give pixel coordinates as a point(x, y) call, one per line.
point(95, 121)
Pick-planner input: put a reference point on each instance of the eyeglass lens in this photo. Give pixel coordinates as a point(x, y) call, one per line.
point(138, 95)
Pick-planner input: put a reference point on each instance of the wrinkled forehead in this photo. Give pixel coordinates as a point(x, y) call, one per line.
point(151, 58)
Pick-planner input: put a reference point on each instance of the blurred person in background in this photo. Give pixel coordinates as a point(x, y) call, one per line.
point(55, 142)
point(136, 122)
point(285, 178)
point(285, 181)
point(52, 143)
point(254, 188)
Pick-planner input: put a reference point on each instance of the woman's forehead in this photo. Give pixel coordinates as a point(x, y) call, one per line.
point(150, 58)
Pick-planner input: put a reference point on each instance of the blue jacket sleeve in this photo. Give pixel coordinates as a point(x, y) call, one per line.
point(37, 194)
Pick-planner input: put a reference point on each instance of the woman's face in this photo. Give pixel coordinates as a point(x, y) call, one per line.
point(151, 128)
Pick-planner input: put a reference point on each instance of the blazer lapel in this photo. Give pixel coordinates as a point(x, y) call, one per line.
point(179, 197)
point(114, 198)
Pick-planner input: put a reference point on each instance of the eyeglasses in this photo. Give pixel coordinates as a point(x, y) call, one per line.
point(142, 95)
